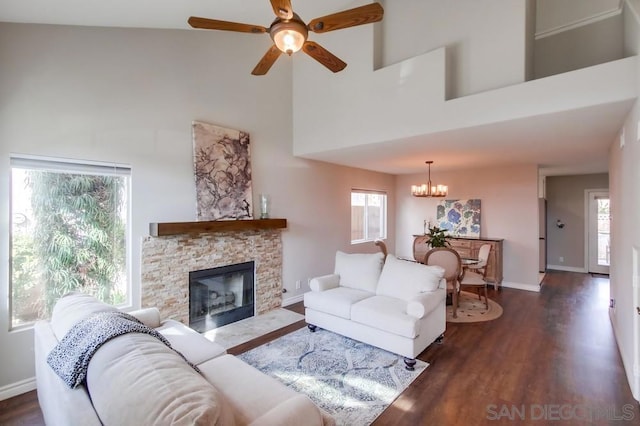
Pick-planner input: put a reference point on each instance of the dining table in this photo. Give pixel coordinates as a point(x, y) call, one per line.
point(469, 261)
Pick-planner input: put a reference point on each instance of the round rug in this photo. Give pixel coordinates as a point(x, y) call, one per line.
point(470, 309)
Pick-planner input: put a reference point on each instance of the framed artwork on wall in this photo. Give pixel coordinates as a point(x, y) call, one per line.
point(222, 170)
point(459, 217)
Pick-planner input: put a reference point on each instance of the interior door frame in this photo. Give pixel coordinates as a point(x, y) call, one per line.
point(587, 222)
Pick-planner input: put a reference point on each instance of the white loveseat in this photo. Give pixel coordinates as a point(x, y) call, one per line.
point(393, 304)
point(135, 379)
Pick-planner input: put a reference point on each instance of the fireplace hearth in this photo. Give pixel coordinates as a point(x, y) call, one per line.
point(220, 296)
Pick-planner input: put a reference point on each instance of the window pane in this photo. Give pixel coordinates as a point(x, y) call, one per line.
point(368, 216)
point(374, 216)
point(604, 220)
point(68, 232)
point(357, 222)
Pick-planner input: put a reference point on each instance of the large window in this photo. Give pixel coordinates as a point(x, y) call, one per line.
point(69, 231)
point(368, 215)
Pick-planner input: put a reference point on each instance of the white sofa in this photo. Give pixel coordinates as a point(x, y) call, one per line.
point(393, 304)
point(135, 379)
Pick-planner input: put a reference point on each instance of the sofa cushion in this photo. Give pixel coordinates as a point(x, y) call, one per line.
point(194, 346)
point(404, 279)
point(359, 270)
point(324, 282)
point(73, 307)
point(336, 301)
point(295, 411)
point(387, 314)
point(148, 316)
point(135, 379)
point(252, 394)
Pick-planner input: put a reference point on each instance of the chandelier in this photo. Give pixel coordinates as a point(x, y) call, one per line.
point(427, 189)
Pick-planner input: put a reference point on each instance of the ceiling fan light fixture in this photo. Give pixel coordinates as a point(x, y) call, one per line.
point(289, 35)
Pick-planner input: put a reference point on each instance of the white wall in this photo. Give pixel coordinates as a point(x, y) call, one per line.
point(405, 102)
point(566, 202)
point(509, 210)
point(552, 14)
point(485, 53)
point(580, 47)
point(624, 181)
point(625, 246)
point(129, 96)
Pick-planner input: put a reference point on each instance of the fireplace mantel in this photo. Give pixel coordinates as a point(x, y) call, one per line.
point(177, 228)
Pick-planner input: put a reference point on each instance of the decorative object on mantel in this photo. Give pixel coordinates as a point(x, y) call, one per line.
point(264, 206)
point(460, 217)
point(222, 171)
point(177, 228)
point(427, 189)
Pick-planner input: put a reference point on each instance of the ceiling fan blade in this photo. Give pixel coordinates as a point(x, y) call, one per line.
point(214, 24)
point(282, 8)
point(323, 56)
point(267, 61)
point(348, 18)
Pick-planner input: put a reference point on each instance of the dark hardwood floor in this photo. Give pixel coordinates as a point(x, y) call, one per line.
point(550, 359)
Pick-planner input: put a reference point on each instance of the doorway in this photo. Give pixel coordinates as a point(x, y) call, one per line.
point(597, 231)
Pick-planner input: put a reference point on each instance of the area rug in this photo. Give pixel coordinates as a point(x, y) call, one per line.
point(352, 381)
point(470, 309)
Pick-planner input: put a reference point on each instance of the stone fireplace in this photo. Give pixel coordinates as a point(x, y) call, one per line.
point(167, 261)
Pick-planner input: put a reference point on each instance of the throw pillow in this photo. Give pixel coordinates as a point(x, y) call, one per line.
point(403, 279)
point(360, 271)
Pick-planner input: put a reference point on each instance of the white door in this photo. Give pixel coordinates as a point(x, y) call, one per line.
point(598, 231)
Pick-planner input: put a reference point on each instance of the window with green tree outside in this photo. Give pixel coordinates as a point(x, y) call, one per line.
point(69, 232)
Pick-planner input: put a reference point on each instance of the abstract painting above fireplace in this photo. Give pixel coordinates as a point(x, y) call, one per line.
point(222, 166)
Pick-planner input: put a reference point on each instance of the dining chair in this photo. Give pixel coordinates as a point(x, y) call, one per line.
point(449, 259)
point(382, 246)
point(483, 257)
point(474, 276)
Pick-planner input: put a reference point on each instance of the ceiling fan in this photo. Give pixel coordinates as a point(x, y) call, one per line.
point(289, 32)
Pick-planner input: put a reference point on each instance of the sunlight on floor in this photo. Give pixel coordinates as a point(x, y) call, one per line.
point(328, 393)
point(603, 288)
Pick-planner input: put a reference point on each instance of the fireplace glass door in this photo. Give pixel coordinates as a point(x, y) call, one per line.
point(220, 296)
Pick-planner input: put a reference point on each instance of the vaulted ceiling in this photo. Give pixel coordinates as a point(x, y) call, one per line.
point(586, 134)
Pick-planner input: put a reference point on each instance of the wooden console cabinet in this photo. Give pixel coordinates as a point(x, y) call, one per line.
point(468, 247)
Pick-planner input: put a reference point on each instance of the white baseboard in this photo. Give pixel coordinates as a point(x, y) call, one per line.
point(519, 286)
point(18, 388)
point(567, 268)
point(293, 299)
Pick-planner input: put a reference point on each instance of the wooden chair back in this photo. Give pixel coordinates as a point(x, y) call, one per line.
point(447, 258)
